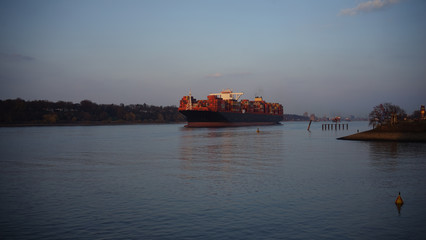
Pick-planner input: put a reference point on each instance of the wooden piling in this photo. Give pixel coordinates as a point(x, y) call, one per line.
point(333, 126)
point(309, 126)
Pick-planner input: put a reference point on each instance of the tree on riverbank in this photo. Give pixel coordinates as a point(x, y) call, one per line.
point(386, 113)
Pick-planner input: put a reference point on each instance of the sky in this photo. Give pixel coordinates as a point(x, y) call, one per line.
point(329, 57)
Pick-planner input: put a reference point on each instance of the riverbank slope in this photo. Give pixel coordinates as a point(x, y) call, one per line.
point(402, 132)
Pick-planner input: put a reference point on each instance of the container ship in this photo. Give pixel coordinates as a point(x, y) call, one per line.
point(224, 109)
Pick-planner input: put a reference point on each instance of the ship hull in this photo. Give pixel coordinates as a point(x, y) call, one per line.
point(228, 119)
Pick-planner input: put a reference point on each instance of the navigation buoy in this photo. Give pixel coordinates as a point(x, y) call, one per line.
point(399, 200)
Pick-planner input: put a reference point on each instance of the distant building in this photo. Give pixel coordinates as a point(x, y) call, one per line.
point(422, 112)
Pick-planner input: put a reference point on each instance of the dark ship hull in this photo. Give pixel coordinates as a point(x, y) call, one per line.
point(198, 118)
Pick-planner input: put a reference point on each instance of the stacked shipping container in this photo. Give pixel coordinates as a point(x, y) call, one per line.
point(217, 104)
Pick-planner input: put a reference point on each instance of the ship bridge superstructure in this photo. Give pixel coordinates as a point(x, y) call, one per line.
point(227, 94)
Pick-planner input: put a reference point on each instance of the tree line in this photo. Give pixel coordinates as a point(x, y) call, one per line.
point(19, 111)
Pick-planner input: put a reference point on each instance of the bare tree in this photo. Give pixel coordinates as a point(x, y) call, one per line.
point(386, 113)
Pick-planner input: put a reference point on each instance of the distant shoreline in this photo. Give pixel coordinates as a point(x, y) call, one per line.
point(100, 124)
point(84, 124)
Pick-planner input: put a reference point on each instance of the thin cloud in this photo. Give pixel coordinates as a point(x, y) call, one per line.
point(15, 57)
point(367, 7)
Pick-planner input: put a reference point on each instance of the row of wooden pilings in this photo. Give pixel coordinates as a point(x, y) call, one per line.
point(336, 125)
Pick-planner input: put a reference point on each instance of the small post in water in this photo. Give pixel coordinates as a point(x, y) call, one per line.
point(309, 126)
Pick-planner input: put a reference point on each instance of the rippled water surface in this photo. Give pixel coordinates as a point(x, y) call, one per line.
point(170, 182)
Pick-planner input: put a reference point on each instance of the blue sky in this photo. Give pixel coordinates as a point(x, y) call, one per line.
point(324, 57)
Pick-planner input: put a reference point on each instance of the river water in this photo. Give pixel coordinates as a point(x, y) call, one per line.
point(170, 182)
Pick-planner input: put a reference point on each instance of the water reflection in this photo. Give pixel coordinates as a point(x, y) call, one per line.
point(398, 207)
point(384, 155)
point(230, 150)
point(387, 155)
